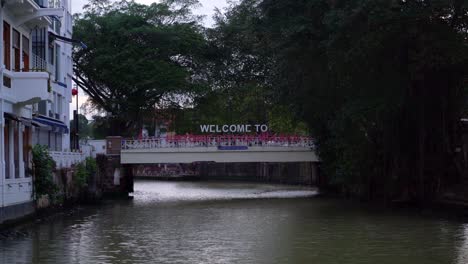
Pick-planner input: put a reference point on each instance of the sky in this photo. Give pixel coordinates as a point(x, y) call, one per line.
point(207, 9)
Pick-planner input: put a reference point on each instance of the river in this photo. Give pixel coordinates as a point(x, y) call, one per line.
point(224, 222)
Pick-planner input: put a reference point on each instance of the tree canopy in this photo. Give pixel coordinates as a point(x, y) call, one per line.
point(381, 84)
point(136, 55)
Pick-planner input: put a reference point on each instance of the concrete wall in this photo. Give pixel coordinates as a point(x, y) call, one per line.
point(196, 154)
point(304, 173)
point(16, 211)
point(93, 147)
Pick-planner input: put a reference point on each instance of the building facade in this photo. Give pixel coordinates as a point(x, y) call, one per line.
point(35, 94)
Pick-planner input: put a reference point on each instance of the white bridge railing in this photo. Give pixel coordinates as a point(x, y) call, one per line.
point(217, 141)
point(65, 159)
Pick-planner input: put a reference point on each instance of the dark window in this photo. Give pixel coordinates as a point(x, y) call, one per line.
point(27, 151)
point(16, 50)
point(16, 148)
point(6, 45)
point(6, 138)
point(42, 106)
point(25, 54)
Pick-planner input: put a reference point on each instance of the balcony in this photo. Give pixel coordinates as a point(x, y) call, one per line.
point(34, 12)
point(28, 87)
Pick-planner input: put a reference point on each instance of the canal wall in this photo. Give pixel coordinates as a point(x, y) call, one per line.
point(109, 180)
point(66, 190)
point(17, 211)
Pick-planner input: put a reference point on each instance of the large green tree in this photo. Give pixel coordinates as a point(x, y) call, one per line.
point(238, 68)
point(135, 56)
point(380, 84)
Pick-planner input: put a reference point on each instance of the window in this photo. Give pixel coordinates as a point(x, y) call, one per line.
point(16, 50)
point(27, 151)
point(57, 62)
point(39, 48)
point(53, 107)
point(16, 148)
point(51, 53)
point(6, 45)
point(58, 142)
point(6, 138)
point(25, 54)
point(42, 107)
point(59, 107)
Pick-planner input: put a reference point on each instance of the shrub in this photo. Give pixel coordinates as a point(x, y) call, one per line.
point(43, 166)
point(84, 171)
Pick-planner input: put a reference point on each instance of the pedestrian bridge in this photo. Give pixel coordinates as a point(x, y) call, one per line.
point(225, 149)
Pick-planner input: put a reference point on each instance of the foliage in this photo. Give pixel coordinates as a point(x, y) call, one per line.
point(237, 70)
point(85, 129)
point(136, 56)
point(83, 171)
point(43, 165)
point(379, 83)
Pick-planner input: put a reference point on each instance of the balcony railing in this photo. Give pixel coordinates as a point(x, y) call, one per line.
point(53, 3)
point(38, 63)
point(66, 159)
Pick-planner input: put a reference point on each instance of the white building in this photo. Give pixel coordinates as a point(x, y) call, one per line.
point(35, 93)
point(93, 147)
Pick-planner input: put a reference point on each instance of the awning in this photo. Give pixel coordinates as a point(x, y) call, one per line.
point(40, 125)
point(57, 124)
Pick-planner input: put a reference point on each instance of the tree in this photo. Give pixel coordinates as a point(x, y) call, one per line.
point(379, 83)
point(135, 56)
point(84, 128)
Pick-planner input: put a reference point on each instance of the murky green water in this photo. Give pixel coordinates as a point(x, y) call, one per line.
point(181, 222)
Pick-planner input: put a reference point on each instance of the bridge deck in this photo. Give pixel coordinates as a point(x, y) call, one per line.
point(218, 149)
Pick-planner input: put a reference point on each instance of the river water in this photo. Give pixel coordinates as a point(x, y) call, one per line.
point(222, 222)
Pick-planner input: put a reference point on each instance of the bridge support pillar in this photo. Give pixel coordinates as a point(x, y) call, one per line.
point(114, 179)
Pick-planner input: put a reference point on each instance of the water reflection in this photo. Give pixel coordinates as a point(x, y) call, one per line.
point(181, 222)
point(463, 248)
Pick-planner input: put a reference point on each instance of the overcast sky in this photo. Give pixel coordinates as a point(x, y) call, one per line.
point(207, 9)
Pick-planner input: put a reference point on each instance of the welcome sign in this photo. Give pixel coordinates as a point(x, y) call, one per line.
point(234, 128)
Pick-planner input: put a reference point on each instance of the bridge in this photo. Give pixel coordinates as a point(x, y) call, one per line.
point(223, 149)
point(266, 158)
